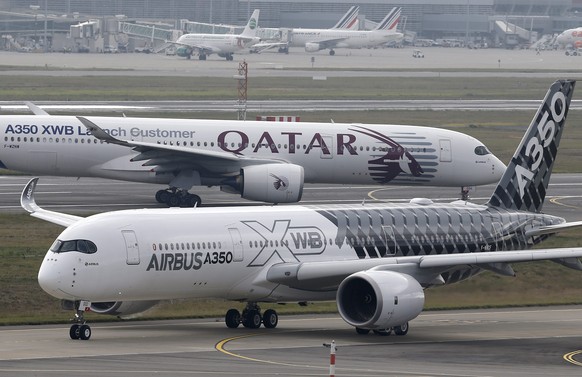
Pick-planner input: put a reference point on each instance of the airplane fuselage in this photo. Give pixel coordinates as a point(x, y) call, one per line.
point(329, 153)
point(217, 43)
point(158, 254)
point(345, 38)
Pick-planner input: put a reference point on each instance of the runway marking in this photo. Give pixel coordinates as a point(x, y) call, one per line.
point(569, 357)
point(556, 200)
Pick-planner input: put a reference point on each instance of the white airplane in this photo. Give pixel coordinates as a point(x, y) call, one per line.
point(321, 39)
point(571, 37)
point(261, 161)
point(224, 45)
point(348, 20)
point(374, 260)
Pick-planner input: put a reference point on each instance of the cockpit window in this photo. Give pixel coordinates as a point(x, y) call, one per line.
point(82, 246)
point(481, 150)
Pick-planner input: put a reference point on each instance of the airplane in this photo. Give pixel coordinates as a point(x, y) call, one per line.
point(571, 37)
point(321, 39)
point(224, 45)
point(348, 21)
point(375, 260)
point(260, 161)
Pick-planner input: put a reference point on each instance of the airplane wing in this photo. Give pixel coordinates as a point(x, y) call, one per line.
point(35, 109)
point(264, 46)
point(29, 204)
point(329, 43)
point(427, 269)
point(164, 158)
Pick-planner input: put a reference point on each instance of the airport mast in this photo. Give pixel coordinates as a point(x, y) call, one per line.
point(242, 90)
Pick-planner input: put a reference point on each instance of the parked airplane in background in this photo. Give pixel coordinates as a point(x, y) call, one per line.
point(321, 39)
point(374, 260)
point(224, 45)
point(260, 161)
point(571, 37)
point(349, 20)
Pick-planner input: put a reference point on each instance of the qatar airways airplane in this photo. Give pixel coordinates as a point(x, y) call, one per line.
point(261, 161)
point(374, 260)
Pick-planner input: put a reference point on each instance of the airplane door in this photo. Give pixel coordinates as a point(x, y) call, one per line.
point(446, 154)
point(389, 240)
point(131, 247)
point(237, 245)
point(327, 153)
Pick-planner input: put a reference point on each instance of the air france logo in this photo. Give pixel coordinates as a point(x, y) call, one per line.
point(280, 183)
point(551, 119)
point(283, 242)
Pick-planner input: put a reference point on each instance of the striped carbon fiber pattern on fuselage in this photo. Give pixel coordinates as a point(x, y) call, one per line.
point(378, 232)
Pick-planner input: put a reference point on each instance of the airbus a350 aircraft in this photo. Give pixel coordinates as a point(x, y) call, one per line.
point(321, 39)
point(374, 260)
point(261, 161)
point(224, 45)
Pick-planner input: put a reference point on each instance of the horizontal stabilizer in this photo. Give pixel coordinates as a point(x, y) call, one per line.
point(551, 229)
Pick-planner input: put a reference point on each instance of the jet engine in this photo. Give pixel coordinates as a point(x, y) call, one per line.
point(119, 308)
point(312, 47)
point(272, 183)
point(377, 299)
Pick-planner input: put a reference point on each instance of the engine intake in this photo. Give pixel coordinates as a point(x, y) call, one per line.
point(379, 299)
point(312, 47)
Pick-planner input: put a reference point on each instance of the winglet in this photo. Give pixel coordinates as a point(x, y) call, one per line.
point(35, 109)
point(27, 198)
point(99, 133)
point(29, 204)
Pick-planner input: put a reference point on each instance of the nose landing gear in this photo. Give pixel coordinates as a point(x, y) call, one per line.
point(80, 329)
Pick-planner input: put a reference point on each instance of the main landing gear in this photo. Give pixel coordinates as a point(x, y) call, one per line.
point(398, 330)
point(80, 329)
point(251, 317)
point(178, 198)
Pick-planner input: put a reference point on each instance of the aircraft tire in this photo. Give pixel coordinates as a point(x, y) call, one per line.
point(232, 318)
point(362, 331)
point(75, 332)
point(252, 320)
point(270, 319)
point(402, 329)
point(331, 52)
point(173, 200)
point(84, 332)
point(161, 196)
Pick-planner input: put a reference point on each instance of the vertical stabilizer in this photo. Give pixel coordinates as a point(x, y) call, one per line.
point(524, 184)
point(252, 26)
point(349, 20)
point(390, 22)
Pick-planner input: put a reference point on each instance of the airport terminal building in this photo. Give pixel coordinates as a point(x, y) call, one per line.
point(463, 19)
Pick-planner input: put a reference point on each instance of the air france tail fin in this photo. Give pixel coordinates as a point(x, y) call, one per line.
point(390, 22)
point(524, 184)
point(250, 30)
point(349, 20)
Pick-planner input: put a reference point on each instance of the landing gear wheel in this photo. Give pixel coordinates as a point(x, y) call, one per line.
point(402, 329)
point(270, 319)
point(75, 332)
point(362, 331)
point(232, 318)
point(190, 200)
point(202, 57)
point(162, 196)
point(331, 52)
point(383, 332)
point(173, 200)
point(252, 319)
point(84, 332)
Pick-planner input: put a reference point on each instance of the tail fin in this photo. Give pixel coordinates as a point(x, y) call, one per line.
point(524, 184)
point(252, 26)
point(349, 20)
point(390, 22)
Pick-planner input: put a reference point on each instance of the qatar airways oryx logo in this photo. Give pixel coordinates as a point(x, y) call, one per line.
point(280, 242)
point(281, 183)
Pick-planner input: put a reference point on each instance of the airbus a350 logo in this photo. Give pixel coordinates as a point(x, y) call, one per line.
point(550, 120)
point(283, 242)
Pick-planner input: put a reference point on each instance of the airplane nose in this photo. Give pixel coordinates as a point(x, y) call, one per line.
point(49, 277)
point(498, 167)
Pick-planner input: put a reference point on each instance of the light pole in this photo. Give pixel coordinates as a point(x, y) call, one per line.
point(35, 8)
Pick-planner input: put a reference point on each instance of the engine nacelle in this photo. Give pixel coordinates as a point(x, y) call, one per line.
point(312, 47)
point(122, 308)
point(379, 299)
point(272, 183)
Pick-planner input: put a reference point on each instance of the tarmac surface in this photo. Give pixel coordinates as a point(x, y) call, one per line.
point(514, 342)
point(389, 62)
